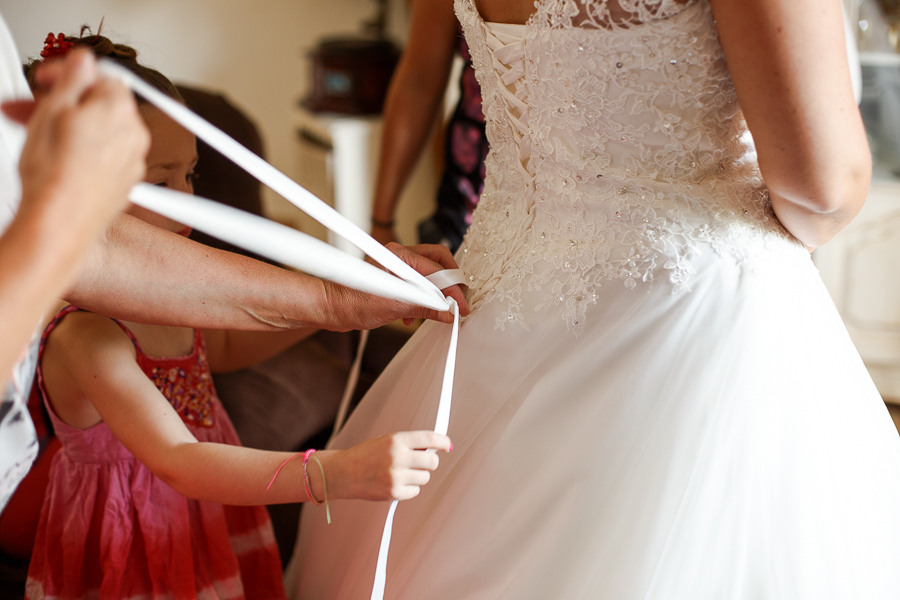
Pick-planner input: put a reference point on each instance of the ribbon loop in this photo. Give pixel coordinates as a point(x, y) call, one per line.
point(446, 278)
point(270, 176)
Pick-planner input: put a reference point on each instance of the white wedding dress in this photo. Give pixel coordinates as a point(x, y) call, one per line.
point(655, 397)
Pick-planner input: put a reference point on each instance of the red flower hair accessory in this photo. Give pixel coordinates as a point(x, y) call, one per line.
point(56, 47)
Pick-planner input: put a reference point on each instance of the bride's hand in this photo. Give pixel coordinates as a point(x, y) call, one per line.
point(391, 467)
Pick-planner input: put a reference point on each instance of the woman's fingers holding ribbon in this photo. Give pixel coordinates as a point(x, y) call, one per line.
point(348, 309)
point(351, 309)
point(426, 259)
point(437, 253)
point(85, 136)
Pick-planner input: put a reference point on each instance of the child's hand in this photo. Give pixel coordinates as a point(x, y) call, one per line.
point(391, 467)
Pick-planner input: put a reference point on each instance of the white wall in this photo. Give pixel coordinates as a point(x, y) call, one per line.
point(255, 50)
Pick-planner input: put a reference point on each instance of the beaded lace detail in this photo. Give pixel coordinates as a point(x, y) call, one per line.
point(618, 152)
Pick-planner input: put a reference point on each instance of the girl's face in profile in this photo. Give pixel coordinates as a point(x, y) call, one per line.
point(170, 163)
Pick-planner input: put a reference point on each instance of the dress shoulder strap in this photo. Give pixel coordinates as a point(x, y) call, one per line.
point(40, 388)
point(69, 310)
point(39, 374)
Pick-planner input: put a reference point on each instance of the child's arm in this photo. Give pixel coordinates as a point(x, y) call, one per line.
point(97, 360)
point(233, 350)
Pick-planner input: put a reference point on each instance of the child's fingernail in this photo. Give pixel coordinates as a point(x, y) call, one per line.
point(451, 447)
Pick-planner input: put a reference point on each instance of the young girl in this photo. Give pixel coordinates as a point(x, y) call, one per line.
point(152, 494)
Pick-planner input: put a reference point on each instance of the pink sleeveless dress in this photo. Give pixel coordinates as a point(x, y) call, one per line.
point(110, 528)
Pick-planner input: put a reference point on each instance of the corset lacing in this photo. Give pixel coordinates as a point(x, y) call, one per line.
point(615, 156)
point(507, 53)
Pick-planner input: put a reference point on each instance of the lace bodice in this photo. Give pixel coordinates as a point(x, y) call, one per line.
point(618, 152)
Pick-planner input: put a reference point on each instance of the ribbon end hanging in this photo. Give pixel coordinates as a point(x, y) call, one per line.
point(381, 565)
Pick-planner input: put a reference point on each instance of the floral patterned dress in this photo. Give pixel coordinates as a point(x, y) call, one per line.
point(465, 148)
point(110, 528)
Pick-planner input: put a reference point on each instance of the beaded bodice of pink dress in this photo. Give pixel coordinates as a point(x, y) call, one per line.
point(655, 398)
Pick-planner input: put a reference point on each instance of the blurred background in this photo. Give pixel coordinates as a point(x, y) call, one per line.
point(257, 69)
point(258, 54)
point(861, 266)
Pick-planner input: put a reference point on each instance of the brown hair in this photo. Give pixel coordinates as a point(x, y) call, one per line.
point(124, 55)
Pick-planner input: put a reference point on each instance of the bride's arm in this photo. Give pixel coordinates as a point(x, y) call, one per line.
point(789, 65)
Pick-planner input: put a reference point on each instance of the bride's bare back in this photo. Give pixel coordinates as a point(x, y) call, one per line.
point(518, 11)
point(505, 11)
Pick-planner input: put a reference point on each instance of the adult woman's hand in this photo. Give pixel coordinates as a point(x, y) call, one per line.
point(351, 309)
point(86, 143)
point(84, 150)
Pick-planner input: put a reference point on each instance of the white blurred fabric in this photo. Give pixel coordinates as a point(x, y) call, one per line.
point(18, 444)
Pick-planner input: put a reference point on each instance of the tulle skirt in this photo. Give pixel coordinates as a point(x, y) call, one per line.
point(721, 443)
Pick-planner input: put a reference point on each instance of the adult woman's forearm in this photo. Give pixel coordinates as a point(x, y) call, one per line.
point(142, 273)
point(413, 100)
point(40, 254)
point(410, 112)
point(145, 274)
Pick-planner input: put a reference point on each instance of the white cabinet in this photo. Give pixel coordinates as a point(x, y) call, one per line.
point(861, 268)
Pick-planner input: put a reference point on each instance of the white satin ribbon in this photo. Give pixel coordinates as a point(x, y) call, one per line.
point(441, 279)
point(446, 278)
point(280, 243)
point(296, 249)
point(441, 423)
point(272, 177)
